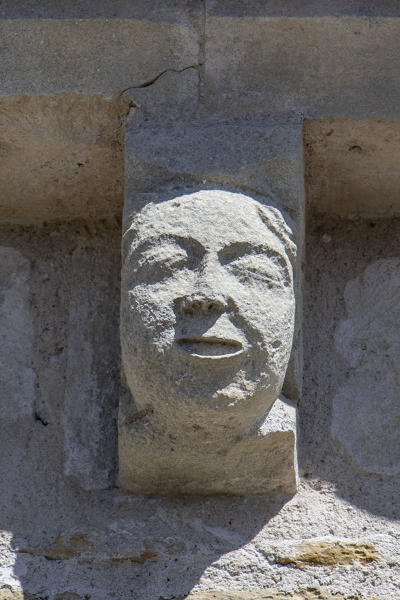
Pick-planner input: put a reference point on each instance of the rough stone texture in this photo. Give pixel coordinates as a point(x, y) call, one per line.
point(341, 259)
point(265, 159)
point(312, 67)
point(17, 376)
point(271, 594)
point(352, 167)
point(61, 157)
point(207, 323)
point(366, 409)
point(103, 543)
point(280, 61)
point(93, 56)
point(331, 553)
point(252, 60)
point(90, 381)
point(260, 464)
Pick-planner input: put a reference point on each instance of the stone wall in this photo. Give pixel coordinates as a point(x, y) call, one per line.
point(209, 90)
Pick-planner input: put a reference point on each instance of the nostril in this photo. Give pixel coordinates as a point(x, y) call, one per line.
point(214, 306)
point(203, 306)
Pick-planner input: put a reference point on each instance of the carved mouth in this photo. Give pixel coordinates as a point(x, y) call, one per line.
point(210, 347)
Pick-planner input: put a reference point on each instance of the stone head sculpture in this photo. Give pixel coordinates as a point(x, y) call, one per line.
point(207, 313)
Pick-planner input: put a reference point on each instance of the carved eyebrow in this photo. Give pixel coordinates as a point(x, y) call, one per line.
point(238, 249)
point(186, 243)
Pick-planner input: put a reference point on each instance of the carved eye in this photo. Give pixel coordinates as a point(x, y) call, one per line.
point(158, 262)
point(256, 268)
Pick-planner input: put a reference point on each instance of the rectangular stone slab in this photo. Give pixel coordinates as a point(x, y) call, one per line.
point(263, 464)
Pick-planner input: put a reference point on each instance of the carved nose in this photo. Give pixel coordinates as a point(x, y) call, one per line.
point(203, 306)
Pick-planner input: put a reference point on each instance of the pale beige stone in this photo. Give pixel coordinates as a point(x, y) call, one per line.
point(61, 157)
point(366, 410)
point(312, 67)
point(264, 158)
point(95, 55)
point(352, 167)
point(207, 322)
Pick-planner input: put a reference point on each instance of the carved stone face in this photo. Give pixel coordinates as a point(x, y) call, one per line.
point(207, 311)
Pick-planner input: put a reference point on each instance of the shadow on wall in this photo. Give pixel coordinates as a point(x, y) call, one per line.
point(76, 536)
point(67, 532)
point(108, 544)
point(349, 414)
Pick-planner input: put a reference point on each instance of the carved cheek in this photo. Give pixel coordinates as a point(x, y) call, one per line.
point(270, 312)
point(150, 306)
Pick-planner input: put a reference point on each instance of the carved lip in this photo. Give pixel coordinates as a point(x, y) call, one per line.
point(210, 346)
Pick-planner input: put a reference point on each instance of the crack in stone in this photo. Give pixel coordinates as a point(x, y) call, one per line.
point(153, 80)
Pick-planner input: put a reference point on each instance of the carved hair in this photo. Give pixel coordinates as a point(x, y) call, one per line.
point(272, 218)
point(274, 221)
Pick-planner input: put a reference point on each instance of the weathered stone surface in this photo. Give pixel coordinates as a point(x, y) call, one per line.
point(171, 98)
point(265, 159)
point(103, 544)
point(93, 56)
point(298, 8)
point(272, 594)
point(9, 593)
point(61, 157)
point(207, 323)
point(93, 545)
point(8, 580)
point(182, 11)
point(366, 410)
point(259, 464)
point(330, 554)
point(91, 387)
point(274, 66)
point(17, 376)
point(351, 167)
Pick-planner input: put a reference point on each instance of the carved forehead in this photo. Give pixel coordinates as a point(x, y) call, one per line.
point(211, 217)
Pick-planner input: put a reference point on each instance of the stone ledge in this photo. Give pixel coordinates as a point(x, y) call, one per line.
point(61, 157)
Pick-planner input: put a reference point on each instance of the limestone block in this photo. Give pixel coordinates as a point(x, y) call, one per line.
point(90, 392)
point(17, 378)
point(61, 157)
point(171, 98)
point(366, 409)
point(95, 55)
point(262, 464)
point(316, 67)
point(311, 8)
point(181, 11)
point(351, 166)
point(264, 158)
